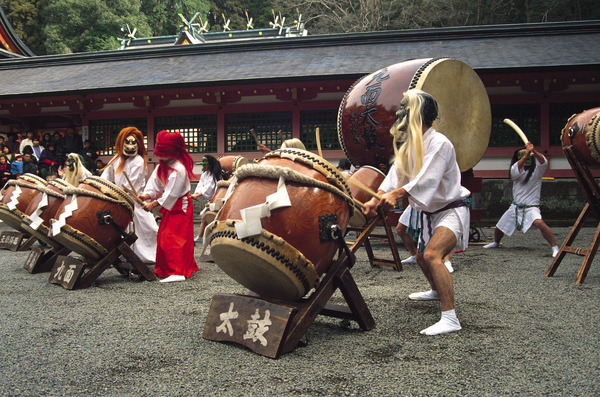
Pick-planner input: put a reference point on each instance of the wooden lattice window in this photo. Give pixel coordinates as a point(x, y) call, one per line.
point(198, 131)
point(526, 116)
point(326, 121)
point(266, 126)
point(103, 133)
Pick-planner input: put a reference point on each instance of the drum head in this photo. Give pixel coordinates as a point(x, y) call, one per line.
point(265, 263)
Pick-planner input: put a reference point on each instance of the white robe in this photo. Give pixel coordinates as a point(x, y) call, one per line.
point(144, 224)
point(523, 193)
point(436, 185)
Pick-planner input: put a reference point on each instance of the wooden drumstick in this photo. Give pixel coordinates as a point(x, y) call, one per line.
point(280, 133)
point(359, 204)
point(133, 195)
point(318, 137)
point(517, 129)
point(254, 135)
point(132, 192)
point(364, 188)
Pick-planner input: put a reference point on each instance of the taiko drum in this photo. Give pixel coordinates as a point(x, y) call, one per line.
point(583, 132)
point(368, 110)
point(294, 247)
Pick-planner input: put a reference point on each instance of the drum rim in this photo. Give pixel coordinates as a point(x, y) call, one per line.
point(74, 236)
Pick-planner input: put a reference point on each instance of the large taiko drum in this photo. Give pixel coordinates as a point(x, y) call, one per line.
point(41, 209)
point(293, 247)
point(76, 223)
point(16, 196)
point(583, 132)
point(231, 163)
point(368, 110)
point(370, 177)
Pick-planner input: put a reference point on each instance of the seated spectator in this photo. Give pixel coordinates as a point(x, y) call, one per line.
point(16, 167)
point(29, 166)
point(49, 162)
point(4, 171)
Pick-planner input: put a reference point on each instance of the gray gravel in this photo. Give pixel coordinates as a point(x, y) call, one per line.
point(523, 334)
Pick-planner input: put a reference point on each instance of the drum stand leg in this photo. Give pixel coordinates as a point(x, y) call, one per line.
point(363, 239)
point(591, 191)
point(237, 318)
point(99, 267)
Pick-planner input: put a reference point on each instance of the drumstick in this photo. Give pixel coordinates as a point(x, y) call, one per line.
point(359, 204)
point(364, 188)
point(132, 194)
point(254, 135)
point(318, 137)
point(280, 133)
point(130, 184)
point(517, 129)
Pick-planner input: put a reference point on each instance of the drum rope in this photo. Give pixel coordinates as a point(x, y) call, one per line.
point(83, 192)
point(275, 171)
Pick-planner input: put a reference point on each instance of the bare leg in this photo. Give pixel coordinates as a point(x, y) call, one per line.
point(408, 242)
point(546, 231)
point(202, 227)
point(439, 246)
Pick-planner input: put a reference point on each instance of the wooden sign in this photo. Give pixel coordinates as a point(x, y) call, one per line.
point(11, 240)
point(66, 271)
point(34, 259)
point(252, 322)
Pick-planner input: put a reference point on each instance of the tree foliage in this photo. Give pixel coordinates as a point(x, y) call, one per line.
point(58, 26)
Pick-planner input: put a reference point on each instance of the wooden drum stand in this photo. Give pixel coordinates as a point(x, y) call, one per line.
point(272, 327)
point(591, 191)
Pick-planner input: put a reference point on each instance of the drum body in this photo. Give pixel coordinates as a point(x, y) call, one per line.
point(41, 209)
point(368, 110)
point(583, 132)
point(216, 202)
point(16, 196)
point(76, 223)
point(372, 178)
point(230, 163)
point(294, 247)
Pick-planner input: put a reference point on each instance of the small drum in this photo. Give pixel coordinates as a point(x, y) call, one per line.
point(216, 202)
point(583, 132)
point(231, 163)
point(368, 110)
point(294, 246)
point(76, 224)
point(372, 178)
point(16, 196)
point(41, 209)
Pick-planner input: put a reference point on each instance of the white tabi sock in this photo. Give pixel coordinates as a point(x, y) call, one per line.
point(410, 259)
point(492, 245)
point(448, 323)
point(449, 266)
point(430, 295)
point(555, 250)
point(173, 278)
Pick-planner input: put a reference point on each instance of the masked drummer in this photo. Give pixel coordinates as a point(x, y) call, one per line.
point(130, 162)
point(169, 187)
point(426, 173)
point(206, 187)
point(526, 171)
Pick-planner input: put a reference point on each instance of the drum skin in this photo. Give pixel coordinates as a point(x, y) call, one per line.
point(230, 163)
point(583, 132)
point(372, 178)
point(85, 221)
point(368, 110)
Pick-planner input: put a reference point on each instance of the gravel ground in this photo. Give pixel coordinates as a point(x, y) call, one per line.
point(523, 334)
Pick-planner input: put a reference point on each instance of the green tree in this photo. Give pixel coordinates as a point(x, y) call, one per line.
point(163, 15)
point(90, 25)
point(26, 19)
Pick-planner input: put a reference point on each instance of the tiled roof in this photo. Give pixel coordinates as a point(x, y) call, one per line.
point(486, 49)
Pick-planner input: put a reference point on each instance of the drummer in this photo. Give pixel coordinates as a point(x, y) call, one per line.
point(130, 165)
point(526, 171)
point(427, 174)
point(206, 187)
